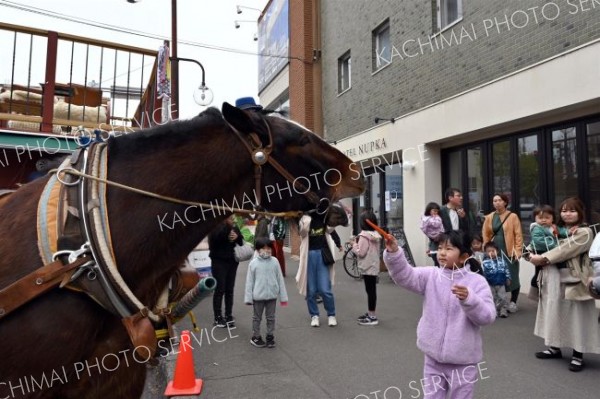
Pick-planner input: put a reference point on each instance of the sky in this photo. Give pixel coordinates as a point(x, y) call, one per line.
point(229, 74)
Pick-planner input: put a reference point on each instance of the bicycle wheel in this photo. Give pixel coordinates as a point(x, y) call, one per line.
point(351, 264)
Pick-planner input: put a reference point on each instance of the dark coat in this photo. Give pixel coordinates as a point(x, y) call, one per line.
point(219, 244)
point(466, 224)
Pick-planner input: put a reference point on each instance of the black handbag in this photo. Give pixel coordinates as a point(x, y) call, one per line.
point(327, 255)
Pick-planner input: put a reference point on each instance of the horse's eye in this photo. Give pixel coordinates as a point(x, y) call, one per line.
point(303, 140)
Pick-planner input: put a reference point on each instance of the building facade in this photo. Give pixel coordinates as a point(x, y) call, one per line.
point(483, 96)
point(291, 82)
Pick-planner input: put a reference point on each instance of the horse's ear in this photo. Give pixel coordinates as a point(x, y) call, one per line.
point(237, 118)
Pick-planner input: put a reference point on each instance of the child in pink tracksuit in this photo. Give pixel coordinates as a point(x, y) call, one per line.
point(457, 303)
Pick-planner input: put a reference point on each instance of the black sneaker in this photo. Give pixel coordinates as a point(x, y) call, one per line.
point(219, 322)
point(258, 342)
point(230, 321)
point(362, 317)
point(270, 341)
point(369, 321)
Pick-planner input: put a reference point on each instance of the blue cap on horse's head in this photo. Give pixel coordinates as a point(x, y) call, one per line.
point(247, 103)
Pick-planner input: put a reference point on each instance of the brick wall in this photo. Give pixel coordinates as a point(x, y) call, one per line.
point(486, 45)
point(305, 75)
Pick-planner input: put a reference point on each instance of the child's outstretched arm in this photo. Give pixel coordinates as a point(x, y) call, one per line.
point(401, 272)
point(477, 302)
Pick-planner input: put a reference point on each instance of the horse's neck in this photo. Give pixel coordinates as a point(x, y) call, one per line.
point(151, 238)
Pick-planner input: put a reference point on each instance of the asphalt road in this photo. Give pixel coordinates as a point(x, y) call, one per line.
point(379, 362)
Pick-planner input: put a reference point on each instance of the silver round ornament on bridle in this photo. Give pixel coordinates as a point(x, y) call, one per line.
point(259, 156)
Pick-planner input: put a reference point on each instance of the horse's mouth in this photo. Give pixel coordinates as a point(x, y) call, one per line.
point(349, 188)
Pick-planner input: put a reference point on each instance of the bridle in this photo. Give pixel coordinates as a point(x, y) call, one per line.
point(261, 155)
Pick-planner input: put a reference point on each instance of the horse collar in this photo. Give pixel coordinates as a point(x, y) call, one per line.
point(88, 222)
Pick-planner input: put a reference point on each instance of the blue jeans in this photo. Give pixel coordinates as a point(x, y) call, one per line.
point(318, 282)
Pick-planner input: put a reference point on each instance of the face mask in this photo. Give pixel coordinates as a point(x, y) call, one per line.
point(265, 254)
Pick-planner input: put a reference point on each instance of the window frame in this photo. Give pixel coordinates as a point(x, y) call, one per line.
point(376, 36)
point(544, 136)
point(440, 7)
point(344, 78)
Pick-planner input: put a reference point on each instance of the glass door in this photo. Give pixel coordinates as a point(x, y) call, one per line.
point(528, 180)
point(501, 171)
point(475, 195)
point(393, 197)
point(564, 163)
point(593, 183)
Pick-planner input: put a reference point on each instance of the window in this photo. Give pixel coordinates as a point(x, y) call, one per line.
point(382, 49)
point(476, 197)
point(593, 145)
point(344, 71)
point(564, 162)
point(542, 166)
point(394, 217)
point(448, 12)
point(528, 178)
point(501, 169)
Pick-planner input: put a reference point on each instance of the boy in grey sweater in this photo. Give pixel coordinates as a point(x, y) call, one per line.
point(264, 284)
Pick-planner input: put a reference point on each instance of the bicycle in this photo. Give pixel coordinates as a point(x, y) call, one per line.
point(351, 262)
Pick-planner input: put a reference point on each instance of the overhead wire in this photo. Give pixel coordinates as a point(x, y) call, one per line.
point(115, 28)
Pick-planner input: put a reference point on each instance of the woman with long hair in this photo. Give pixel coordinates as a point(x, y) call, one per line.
point(566, 314)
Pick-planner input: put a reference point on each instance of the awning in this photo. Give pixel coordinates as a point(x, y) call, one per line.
point(37, 142)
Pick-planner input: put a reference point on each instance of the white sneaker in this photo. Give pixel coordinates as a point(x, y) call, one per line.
point(314, 321)
point(332, 321)
point(512, 307)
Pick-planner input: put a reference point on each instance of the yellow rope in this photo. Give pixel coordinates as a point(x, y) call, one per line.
point(171, 199)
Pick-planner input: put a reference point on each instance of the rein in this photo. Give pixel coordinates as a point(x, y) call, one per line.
point(260, 155)
point(75, 172)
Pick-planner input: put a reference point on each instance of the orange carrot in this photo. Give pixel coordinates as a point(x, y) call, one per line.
point(378, 229)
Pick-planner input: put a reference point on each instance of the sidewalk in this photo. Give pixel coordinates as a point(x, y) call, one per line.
point(353, 361)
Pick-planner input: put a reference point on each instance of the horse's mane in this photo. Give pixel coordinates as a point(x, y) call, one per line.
point(168, 135)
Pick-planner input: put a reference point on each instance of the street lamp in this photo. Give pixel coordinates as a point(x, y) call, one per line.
point(237, 22)
point(237, 26)
point(202, 95)
point(239, 9)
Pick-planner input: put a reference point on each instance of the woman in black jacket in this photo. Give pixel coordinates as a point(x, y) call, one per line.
point(221, 241)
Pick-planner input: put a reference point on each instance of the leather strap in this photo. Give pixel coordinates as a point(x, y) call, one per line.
point(254, 147)
point(141, 333)
point(499, 227)
point(35, 284)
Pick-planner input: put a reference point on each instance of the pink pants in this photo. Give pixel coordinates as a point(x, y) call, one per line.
point(445, 380)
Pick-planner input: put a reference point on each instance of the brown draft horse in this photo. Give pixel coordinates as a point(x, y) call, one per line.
point(45, 342)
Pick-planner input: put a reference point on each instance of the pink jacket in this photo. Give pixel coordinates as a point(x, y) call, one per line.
point(432, 226)
point(450, 329)
point(367, 250)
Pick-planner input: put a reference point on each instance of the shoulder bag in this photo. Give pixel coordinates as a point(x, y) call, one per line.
point(243, 252)
point(328, 258)
point(496, 231)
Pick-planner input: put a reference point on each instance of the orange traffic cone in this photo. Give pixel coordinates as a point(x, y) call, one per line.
point(184, 381)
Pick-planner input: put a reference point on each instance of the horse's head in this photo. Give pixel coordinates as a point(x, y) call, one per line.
point(301, 171)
